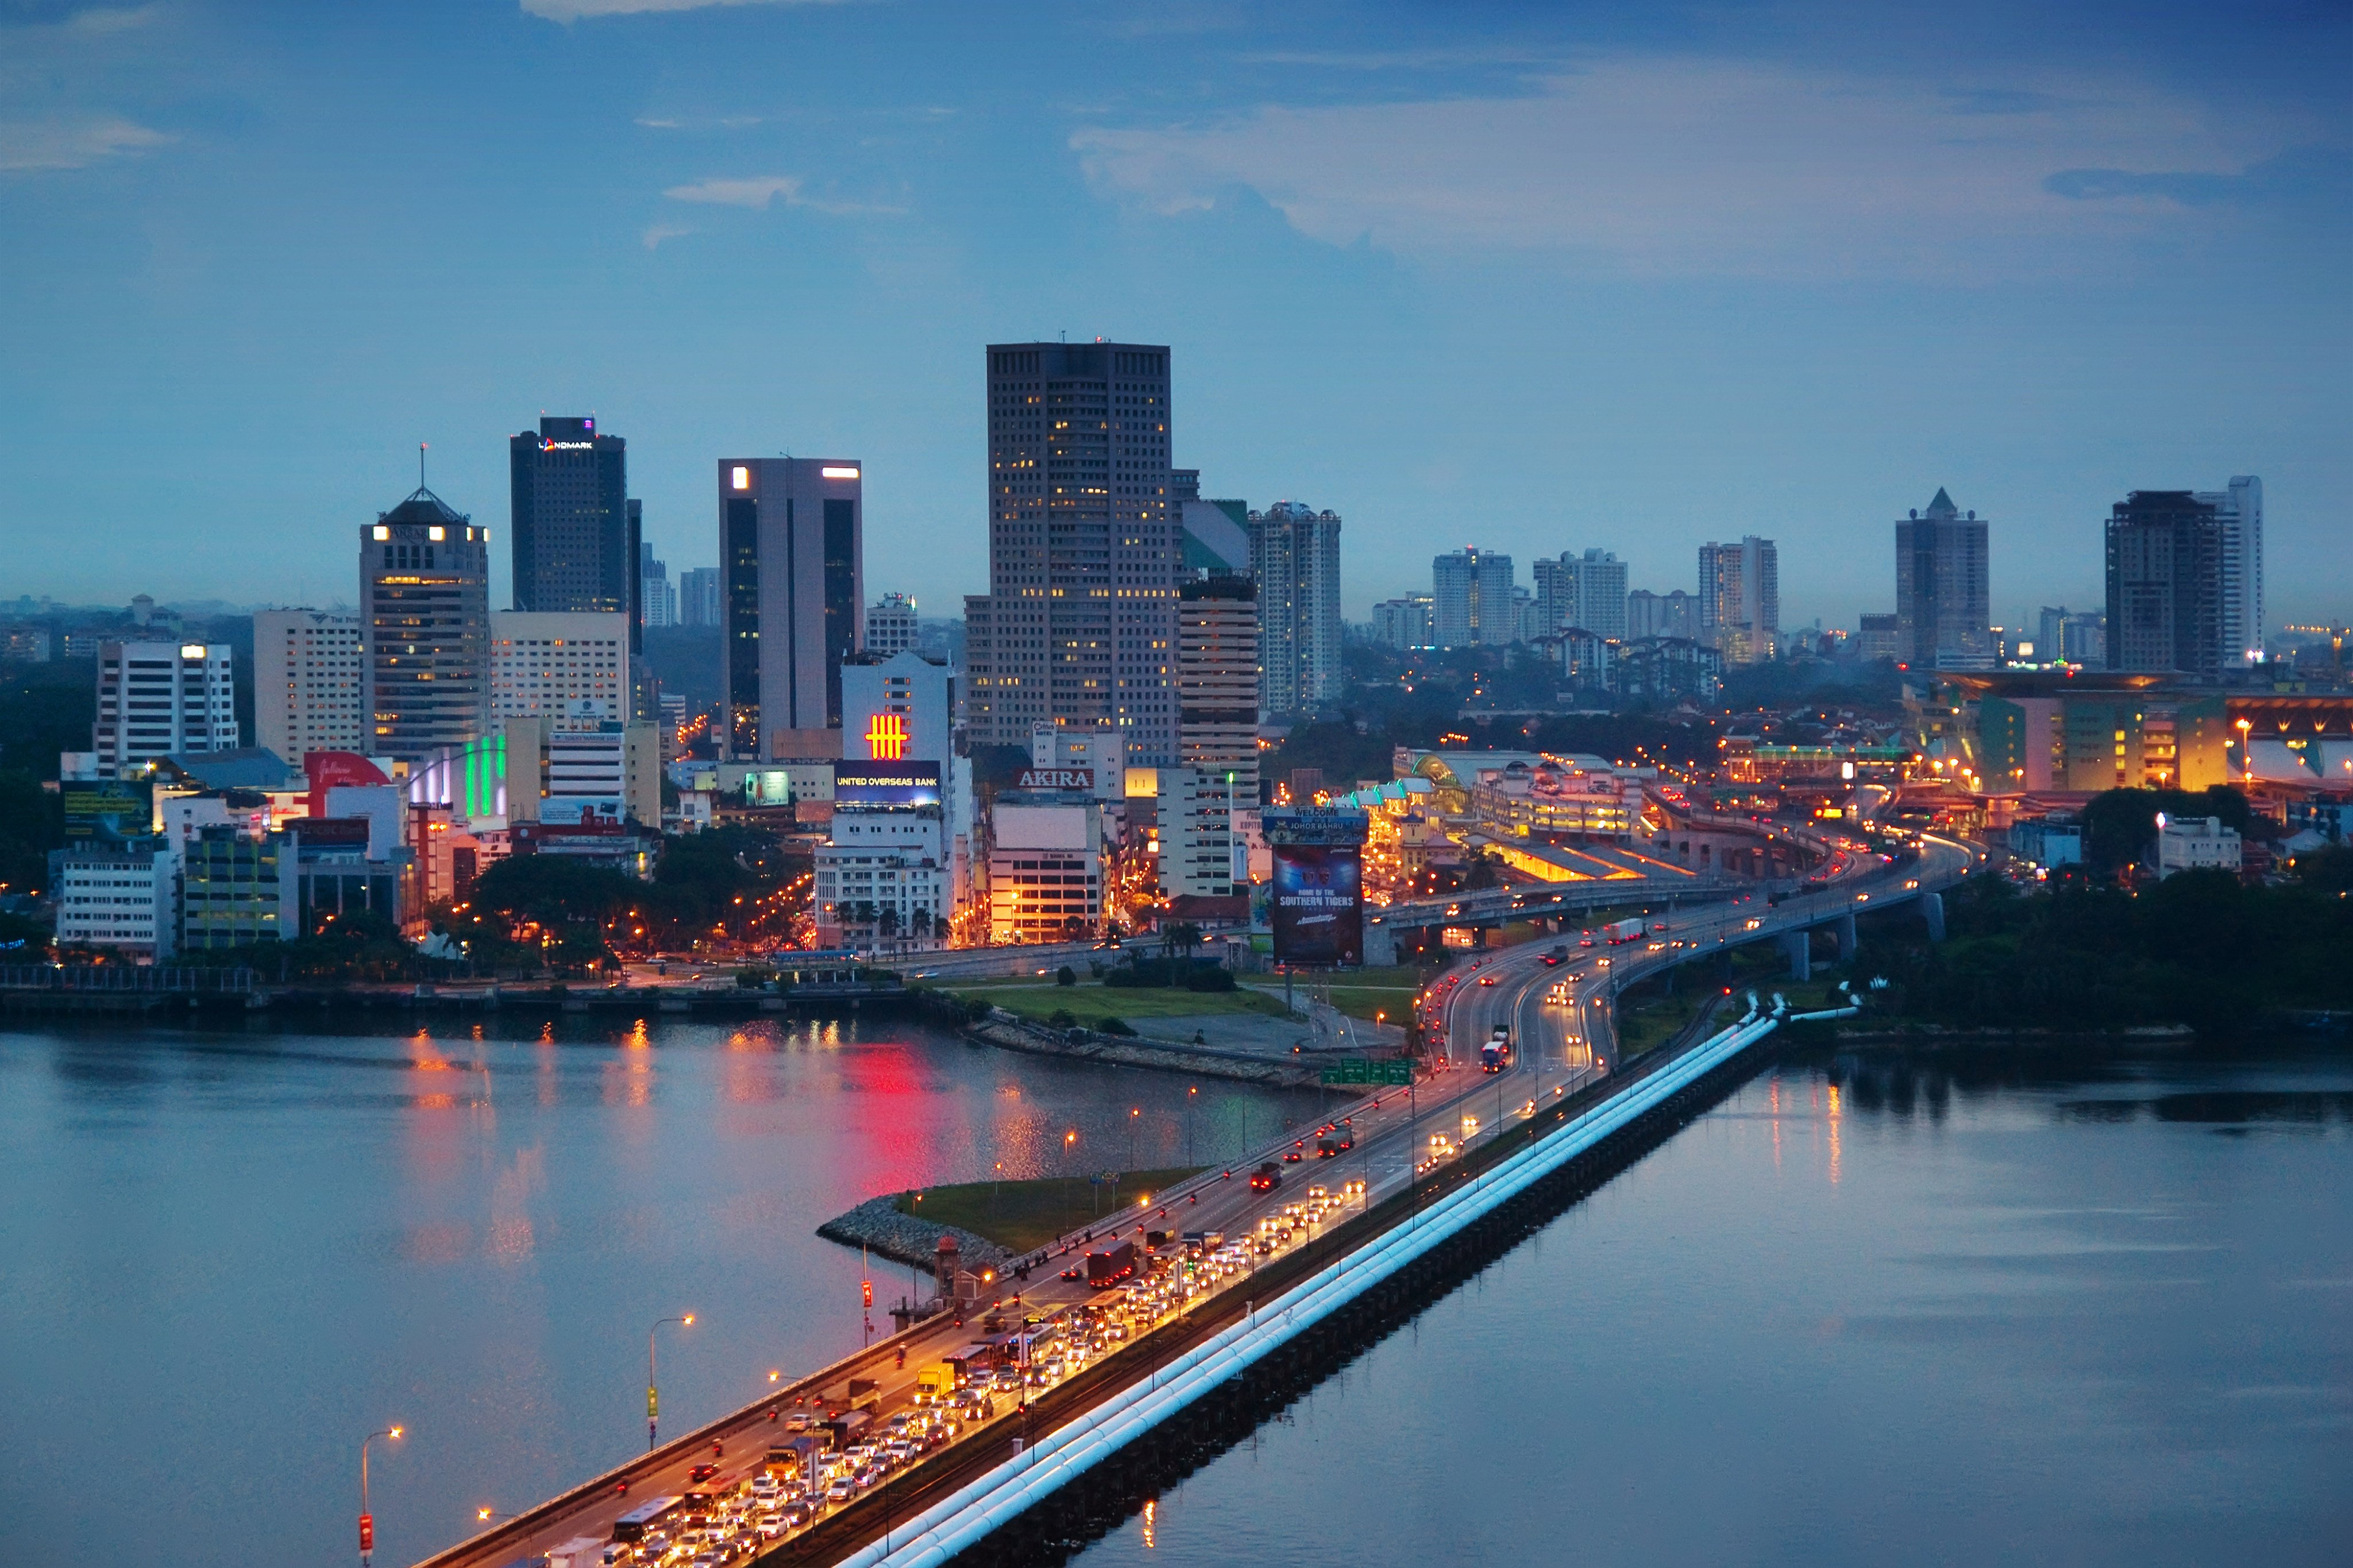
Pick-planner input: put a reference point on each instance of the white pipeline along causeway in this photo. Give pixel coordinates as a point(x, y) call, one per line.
point(941, 1532)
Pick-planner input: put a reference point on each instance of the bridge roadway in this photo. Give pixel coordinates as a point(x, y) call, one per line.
point(1560, 1050)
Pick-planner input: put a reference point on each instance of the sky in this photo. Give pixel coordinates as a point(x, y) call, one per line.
point(1536, 278)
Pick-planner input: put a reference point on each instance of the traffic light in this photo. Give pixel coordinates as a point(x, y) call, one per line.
point(866, 1291)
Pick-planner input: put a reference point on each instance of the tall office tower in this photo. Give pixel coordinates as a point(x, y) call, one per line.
point(425, 605)
point(892, 626)
point(656, 599)
point(158, 700)
point(2239, 508)
point(1403, 624)
point(1941, 589)
point(2165, 583)
point(1470, 599)
point(1740, 599)
point(1295, 556)
point(2062, 636)
point(571, 668)
point(792, 545)
point(575, 533)
point(698, 596)
point(1586, 591)
point(1218, 642)
point(1078, 626)
point(1674, 614)
point(307, 678)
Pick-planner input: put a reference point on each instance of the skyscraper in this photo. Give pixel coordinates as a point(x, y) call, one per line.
point(1586, 591)
point(1674, 614)
point(698, 596)
point(1470, 599)
point(425, 595)
point(1078, 626)
point(1295, 556)
point(1217, 689)
point(1943, 621)
point(307, 678)
point(2165, 583)
point(656, 599)
point(1740, 599)
point(2239, 508)
point(792, 546)
point(576, 535)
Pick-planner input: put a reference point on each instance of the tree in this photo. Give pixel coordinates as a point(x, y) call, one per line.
point(1066, 975)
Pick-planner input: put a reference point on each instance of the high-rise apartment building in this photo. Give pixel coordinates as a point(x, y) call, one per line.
point(2164, 552)
point(1586, 592)
point(1740, 599)
point(307, 676)
point(157, 699)
point(892, 626)
point(656, 596)
point(425, 608)
point(1471, 600)
point(2239, 508)
point(1404, 624)
point(698, 596)
point(2062, 636)
point(1674, 614)
point(1942, 589)
point(571, 668)
point(1078, 626)
point(1295, 556)
point(576, 532)
point(1217, 689)
point(791, 543)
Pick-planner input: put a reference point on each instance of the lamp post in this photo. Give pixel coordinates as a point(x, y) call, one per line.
point(1192, 1096)
point(367, 1518)
point(1132, 1114)
point(653, 1394)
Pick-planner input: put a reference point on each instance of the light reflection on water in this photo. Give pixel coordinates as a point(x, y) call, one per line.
point(230, 1253)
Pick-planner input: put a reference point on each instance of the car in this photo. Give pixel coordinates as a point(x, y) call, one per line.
point(840, 1491)
point(701, 1472)
point(1486, 979)
point(1074, 1273)
point(1293, 1156)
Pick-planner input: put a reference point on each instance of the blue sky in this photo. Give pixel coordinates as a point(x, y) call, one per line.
point(1533, 277)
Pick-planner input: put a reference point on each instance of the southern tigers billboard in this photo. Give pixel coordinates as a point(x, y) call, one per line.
point(1319, 905)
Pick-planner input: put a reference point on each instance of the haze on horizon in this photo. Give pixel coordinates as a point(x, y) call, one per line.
point(1499, 275)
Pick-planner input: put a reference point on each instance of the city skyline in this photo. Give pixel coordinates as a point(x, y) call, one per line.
point(2055, 256)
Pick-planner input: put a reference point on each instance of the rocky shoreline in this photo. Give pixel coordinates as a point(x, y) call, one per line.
point(1007, 1032)
point(877, 1226)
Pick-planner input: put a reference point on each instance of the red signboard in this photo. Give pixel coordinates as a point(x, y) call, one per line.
point(367, 1532)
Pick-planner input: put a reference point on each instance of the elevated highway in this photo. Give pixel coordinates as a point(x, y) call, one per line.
point(1565, 1089)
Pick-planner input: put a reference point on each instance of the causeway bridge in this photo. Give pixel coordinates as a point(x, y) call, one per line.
point(1093, 1371)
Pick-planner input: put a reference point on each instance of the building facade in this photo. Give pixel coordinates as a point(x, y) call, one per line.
point(572, 532)
point(891, 626)
point(1740, 599)
point(1674, 614)
point(2062, 636)
point(2195, 844)
point(1295, 556)
point(2239, 508)
point(307, 680)
point(117, 896)
point(425, 605)
point(236, 890)
point(698, 596)
point(1586, 591)
point(157, 699)
point(1878, 637)
point(657, 596)
point(1404, 624)
point(1217, 665)
point(1942, 589)
point(1078, 626)
point(572, 669)
point(1471, 600)
point(1046, 868)
point(792, 545)
point(2164, 552)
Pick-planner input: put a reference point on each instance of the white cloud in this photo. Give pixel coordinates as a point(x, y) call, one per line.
point(759, 191)
point(1690, 166)
point(659, 232)
point(114, 19)
point(574, 10)
point(71, 144)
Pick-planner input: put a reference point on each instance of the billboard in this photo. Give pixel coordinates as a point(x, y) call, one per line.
point(581, 811)
point(108, 811)
point(1078, 780)
point(1319, 905)
point(886, 784)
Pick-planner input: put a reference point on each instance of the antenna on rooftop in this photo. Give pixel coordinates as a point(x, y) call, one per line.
point(420, 465)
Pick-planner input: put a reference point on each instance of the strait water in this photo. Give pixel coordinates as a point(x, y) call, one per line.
point(2074, 1305)
point(225, 1257)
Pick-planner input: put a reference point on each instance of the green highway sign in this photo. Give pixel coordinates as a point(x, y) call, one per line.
point(1356, 1070)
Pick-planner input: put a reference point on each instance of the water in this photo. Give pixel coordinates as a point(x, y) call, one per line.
point(230, 1255)
point(2070, 1306)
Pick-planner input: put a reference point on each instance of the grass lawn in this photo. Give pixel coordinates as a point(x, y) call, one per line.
point(1090, 1000)
point(1025, 1214)
point(1360, 992)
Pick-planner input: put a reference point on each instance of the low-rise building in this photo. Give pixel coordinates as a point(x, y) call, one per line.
point(883, 875)
point(117, 896)
point(1045, 865)
point(2195, 844)
point(236, 891)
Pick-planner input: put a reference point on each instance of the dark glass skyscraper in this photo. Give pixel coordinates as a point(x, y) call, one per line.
point(792, 559)
point(2165, 583)
point(1942, 592)
point(574, 534)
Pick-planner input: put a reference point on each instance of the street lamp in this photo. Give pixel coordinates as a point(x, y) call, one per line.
point(1192, 1097)
point(1133, 1113)
point(367, 1518)
point(653, 1395)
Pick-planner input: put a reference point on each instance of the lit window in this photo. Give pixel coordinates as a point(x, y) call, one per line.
point(740, 477)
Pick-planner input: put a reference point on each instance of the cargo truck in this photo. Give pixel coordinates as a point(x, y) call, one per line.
point(1110, 1267)
point(1622, 930)
point(1495, 1056)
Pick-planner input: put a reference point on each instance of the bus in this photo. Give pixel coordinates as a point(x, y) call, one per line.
point(632, 1526)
